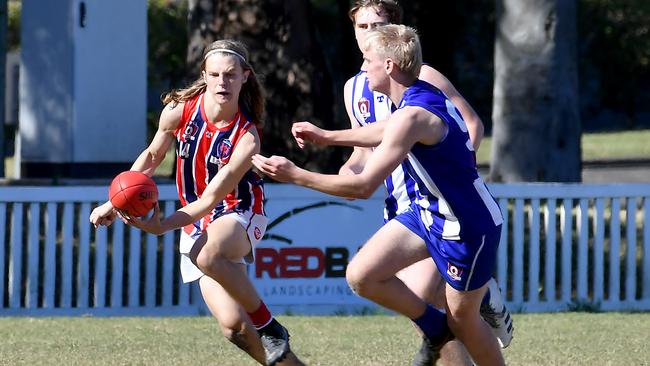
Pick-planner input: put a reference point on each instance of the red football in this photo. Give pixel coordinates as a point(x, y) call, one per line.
point(133, 192)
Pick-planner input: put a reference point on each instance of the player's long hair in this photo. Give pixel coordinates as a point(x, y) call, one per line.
point(251, 96)
point(388, 8)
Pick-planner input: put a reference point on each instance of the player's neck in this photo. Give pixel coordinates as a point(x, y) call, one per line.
point(398, 85)
point(220, 113)
point(396, 93)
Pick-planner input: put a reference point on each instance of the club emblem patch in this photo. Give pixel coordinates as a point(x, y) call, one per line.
point(364, 107)
point(190, 131)
point(454, 272)
point(224, 149)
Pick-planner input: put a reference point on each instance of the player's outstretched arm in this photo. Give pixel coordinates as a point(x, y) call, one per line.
point(148, 160)
point(282, 169)
point(366, 136)
point(221, 184)
point(411, 125)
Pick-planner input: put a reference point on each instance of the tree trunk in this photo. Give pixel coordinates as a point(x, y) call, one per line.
point(286, 54)
point(536, 134)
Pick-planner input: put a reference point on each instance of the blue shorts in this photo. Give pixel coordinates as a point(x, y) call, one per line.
point(466, 264)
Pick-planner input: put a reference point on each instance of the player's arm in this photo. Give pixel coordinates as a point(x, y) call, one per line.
point(366, 136)
point(221, 184)
point(148, 160)
point(411, 125)
point(474, 125)
point(155, 153)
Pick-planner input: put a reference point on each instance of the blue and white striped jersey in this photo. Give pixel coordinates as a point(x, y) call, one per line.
point(454, 201)
point(368, 107)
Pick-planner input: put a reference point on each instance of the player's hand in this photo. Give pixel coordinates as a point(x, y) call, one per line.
point(276, 167)
point(305, 132)
point(151, 225)
point(103, 215)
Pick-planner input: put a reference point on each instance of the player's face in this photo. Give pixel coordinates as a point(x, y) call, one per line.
point(224, 77)
point(364, 20)
point(376, 72)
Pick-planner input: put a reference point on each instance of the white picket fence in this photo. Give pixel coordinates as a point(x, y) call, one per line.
point(575, 246)
point(567, 246)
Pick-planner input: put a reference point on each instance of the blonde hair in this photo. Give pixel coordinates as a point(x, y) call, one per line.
point(400, 43)
point(251, 96)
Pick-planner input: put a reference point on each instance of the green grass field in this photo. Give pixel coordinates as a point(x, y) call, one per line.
point(540, 339)
point(609, 145)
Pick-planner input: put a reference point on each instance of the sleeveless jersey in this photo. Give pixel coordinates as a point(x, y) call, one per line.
point(368, 107)
point(202, 149)
point(454, 201)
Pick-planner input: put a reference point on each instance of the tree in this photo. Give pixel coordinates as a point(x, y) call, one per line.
point(286, 53)
point(536, 133)
point(3, 76)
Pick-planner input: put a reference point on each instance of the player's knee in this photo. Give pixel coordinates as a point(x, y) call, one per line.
point(209, 262)
point(357, 280)
point(461, 317)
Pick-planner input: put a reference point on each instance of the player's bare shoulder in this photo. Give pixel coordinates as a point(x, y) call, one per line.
point(253, 134)
point(347, 91)
point(170, 117)
point(418, 121)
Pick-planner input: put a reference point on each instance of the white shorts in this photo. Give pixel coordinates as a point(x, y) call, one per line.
point(255, 226)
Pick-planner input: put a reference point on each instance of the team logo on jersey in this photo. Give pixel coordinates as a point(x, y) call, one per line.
point(208, 135)
point(224, 149)
point(364, 107)
point(454, 272)
point(190, 130)
point(258, 233)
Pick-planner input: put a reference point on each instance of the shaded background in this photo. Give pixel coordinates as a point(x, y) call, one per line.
point(305, 50)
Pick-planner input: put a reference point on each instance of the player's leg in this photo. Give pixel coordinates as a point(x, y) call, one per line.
point(235, 325)
point(468, 326)
point(467, 267)
point(371, 272)
point(218, 252)
point(424, 280)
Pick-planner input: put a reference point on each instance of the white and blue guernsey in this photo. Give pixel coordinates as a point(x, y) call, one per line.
point(454, 212)
point(368, 107)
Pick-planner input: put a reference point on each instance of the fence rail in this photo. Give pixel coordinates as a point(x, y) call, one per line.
point(575, 246)
point(563, 246)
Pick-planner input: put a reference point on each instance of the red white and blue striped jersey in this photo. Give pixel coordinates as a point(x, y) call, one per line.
point(454, 202)
point(368, 107)
point(201, 150)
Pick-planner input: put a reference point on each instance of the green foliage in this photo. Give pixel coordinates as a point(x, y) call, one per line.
point(167, 46)
point(13, 24)
point(614, 60)
point(167, 42)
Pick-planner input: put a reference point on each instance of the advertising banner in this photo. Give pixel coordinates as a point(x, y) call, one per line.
point(300, 264)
